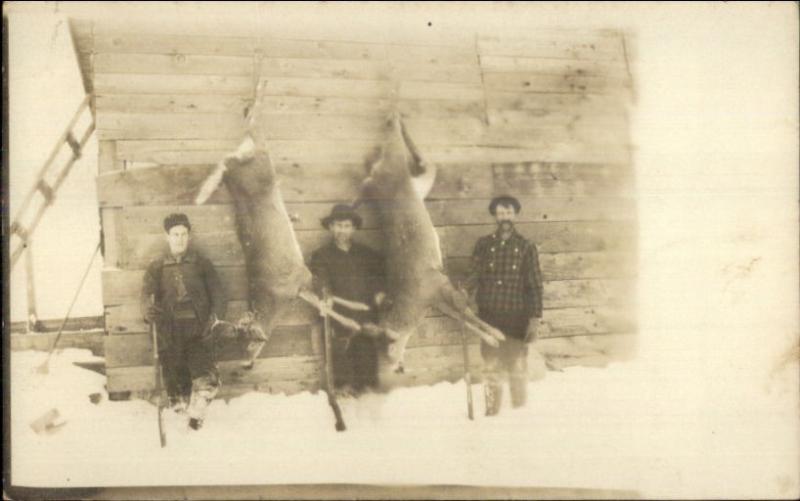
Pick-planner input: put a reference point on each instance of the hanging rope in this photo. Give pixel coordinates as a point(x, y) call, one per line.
point(44, 368)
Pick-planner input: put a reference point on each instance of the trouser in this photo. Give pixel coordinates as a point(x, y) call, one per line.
point(510, 360)
point(355, 362)
point(188, 361)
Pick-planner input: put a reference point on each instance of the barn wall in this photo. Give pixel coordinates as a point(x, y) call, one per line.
point(542, 117)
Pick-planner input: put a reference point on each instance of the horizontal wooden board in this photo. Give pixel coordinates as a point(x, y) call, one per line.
point(563, 178)
point(459, 130)
point(371, 89)
point(273, 370)
point(572, 46)
point(499, 148)
point(567, 83)
point(173, 44)
point(544, 103)
point(592, 125)
point(302, 105)
point(356, 69)
point(120, 83)
point(173, 64)
point(565, 322)
point(370, 70)
point(289, 387)
point(117, 83)
point(529, 149)
point(551, 66)
point(566, 265)
point(137, 349)
point(118, 41)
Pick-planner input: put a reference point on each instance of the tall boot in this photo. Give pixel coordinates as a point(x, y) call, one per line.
point(493, 394)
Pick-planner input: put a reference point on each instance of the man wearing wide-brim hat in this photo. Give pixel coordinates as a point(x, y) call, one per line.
point(352, 271)
point(507, 283)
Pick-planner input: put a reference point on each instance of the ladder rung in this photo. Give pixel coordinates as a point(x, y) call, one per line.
point(19, 230)
point(47, 191)
point(74, 144)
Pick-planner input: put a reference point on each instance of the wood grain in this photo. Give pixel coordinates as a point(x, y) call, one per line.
point(137, 349)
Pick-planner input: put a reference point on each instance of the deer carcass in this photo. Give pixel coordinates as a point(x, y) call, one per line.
point(398, 182)
point(276, 272)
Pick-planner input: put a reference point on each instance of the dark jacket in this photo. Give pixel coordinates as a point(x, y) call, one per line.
point(506, 276)
point(191, 284)
point(356, 275)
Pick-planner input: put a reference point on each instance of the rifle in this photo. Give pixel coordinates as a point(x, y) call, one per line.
point(467, 375)
point(329, 389)
point(159, 383)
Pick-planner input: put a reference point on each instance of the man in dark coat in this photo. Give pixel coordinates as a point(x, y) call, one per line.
point(183, 295)
point(352, 271)
point(507, 281)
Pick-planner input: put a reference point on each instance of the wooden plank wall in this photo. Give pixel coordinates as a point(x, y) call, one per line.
point(542, 117)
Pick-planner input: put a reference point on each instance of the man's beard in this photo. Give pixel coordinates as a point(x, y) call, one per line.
point(343, 240)
point(505, 226)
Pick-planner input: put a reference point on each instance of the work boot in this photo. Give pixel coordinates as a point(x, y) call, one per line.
point(195, 423)
point(493, 395)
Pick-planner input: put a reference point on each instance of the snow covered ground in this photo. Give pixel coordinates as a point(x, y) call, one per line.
point(583, 428)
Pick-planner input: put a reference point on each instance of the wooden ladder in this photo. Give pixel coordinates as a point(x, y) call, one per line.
point(21, 230)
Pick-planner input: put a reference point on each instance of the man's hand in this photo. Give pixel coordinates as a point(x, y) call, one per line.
point(153, 314)
point(533, 330)
point(380, 297)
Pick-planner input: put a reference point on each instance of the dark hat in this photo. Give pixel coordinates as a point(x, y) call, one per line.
point(176, 220)
point(504, 200)
point(340, 212)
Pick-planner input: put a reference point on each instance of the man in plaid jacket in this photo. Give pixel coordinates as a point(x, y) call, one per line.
point(507, 281)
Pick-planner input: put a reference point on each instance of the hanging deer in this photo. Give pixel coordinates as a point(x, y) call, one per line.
point(399, 180)
point(276, 272)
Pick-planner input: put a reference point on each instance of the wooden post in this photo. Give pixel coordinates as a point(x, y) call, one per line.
point(107, 157)
point(33, 317)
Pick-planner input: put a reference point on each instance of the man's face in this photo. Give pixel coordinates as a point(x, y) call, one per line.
point(505, 216)
point(178, 239)
point(342, 231)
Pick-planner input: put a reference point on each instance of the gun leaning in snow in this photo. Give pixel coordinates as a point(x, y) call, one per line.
point(467, 375)
point(329, 388)
point(159, 383)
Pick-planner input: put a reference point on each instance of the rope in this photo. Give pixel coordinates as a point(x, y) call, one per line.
point(74, 299)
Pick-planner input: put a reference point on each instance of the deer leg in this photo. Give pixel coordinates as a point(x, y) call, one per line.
point(457, 300)
point(472, 317)
point(256, 334)
point(350, 305)
point(367, 184)
point(491, 339)
point(420, 165)
point(316, 302)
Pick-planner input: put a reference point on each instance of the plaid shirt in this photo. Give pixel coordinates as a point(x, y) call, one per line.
point(506, 275)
